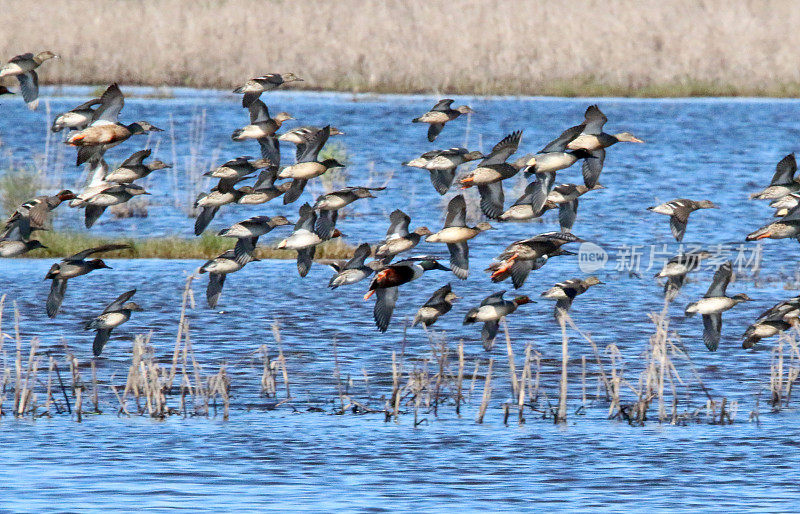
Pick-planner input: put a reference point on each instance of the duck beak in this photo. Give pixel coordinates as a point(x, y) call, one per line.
point(636, 140)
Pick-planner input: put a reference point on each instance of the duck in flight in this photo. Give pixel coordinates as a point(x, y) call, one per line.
point(713, 304)
point(440, 114)
point(23, 68)
point(115, 314)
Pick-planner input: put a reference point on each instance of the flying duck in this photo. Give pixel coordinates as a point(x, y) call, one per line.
point(386, 282)
point(491, 310)
point(307, 166)
point(248, 231)
point(398, 238)
point(439, 304)
point(521, 257)
point(676, 269)
point(783, 182)
point(778, 318)
point(34, 213)
point(594, 141)
point(554, 156)
point(329, 204)
point(71, 267)
point(75, 119)
point(218, 268)
point(304, 239)
point(253, 88)
point(531, 204)
point(133, 168)
point(262, 128)
point(299, 134)
point(440, 114)
point(209, 203)
point(264, 190)
point(456, 233)
point(12, 244)
point(100, 195)
point(115, 314)
point(22, 67)
point(565, 292)
point(679, 211)
point(105, 131)
point(353, 270)
point(713, 304)
point(442, 165)
point(491, 171)
point(786, 227)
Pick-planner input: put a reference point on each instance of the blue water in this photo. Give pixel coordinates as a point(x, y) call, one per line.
point(290, 458)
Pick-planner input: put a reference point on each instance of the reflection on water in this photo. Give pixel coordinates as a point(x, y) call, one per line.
point(716, 149)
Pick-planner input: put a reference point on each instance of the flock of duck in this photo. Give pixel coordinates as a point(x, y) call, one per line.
point(94, 127)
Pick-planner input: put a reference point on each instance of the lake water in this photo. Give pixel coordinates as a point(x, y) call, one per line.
point(301, 457)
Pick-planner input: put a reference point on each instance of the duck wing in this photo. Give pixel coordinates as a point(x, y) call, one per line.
point(294, 191)
point(567, 212)
point(593, 166)
point(92, 214)
point(29, 86)
point(492, 199)
point(309, 150)
point(793, 214)
point(494, 299)
point(259, 112)
point(215, 283)
point(562, 306)
point(560, 143)
point(100, 340)
point(266, 179)
point(270, 149)
point(136, 159)
point(111, 103)
point(720, 281)
point(784, 171)
point(326, 222)
point(489, 333)
point(359, 256)
point(442, 180)
point(595, 120)
point(120, 301)
point(386, 298)
point(673, 286)
point(503, 150)
point(712, 328)
point(304, 259)
point(459, 259)
point(204, 218)
point(398, 224)
point(307, 219)
point(438, 296)
point(456, 212)
point(443, 105)
point(98, 249)
point(539, 189)
point(434, 129)
point(519, 272)
point(244, 249)
point(57, 289)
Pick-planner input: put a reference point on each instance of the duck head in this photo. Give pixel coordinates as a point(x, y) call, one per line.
point(332, 163)
point(464, 109)
point(627, 137)
point(33, 244)
point(66, 194)
point(431, 264)
point(132, 306)
point(484, 226)
point(282, 116)
point(592, 281)
point(363, 193)
point(158, 165)
point(46, 55)
point(741, 297)
point(707, 204)
point(140, 127)
point(98, 264)
point(5, 91)
point(291, 77)
point(423, 231)
point(522, 300)
point(278, 221)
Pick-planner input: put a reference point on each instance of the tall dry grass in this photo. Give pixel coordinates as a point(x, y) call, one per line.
point(643, 47)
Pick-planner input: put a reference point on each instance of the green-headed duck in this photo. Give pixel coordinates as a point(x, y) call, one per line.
point(304, 239)
point(75, 119)
point(71, 267)
point(456, 233)
point(398, 238)
point(521, 257)
point(22, 67)
point(679, 211)
point(354, 270)
point(440, 114)
point(253, 88)
point(439, 304)
point(565, 292)
point(115, 314)
point(35, 213)
point(676, 269)
point(386, 282)
point(329, 204)
point(491, 171)
point(134, 168)
point(713, 304)
point(491, 310)
point(308, 166)
point(783, 182)
point(442, 165)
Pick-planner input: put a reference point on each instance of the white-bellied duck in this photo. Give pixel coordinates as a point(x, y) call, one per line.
point(456, 233)
point(491, 171)
point(307, 166)
point(713, 304)
point(134, 168)
point(565, 292)
point(352, 271)
point(442, 165)
point(115, 314)
point(676, 269)
point(439, 304)
point(329, 204)
point(253, 88)
point(22, 67)
point(679, 211)
point(398, 238)
point(440, 114)
point(491, 310)
point(521, 257)
point(783, 181)
point(304, 239)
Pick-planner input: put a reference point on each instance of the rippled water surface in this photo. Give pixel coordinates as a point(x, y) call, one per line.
point(293, 458)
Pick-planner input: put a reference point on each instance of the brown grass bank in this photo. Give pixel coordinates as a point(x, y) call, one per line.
point(592, 47)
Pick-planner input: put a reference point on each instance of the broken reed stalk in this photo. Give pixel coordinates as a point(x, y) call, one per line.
point(276, 333)
point(487, 392)
point(512, 369)
point(561, 417)
point(268, 383)
point(460, 377)
point(337, 377)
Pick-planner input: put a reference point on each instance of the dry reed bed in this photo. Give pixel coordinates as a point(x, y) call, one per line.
point(660, 384)
point(646, 47)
